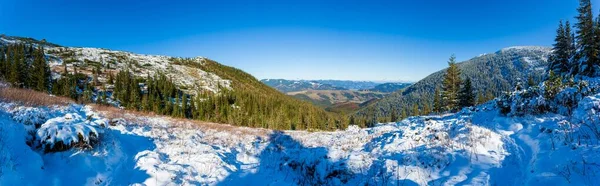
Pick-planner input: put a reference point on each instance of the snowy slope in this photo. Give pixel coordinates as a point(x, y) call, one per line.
point(477, 146)
point(85, 59)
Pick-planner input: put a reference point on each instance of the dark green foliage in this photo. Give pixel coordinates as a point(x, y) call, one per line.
point(466, 95)
point(586, 40)
point(560, 60)
point(552, 85)
point(437, 101)
point(24, 66)
point(451, 86)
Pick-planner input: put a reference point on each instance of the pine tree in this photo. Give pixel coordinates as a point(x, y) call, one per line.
point(415, 111)
point(40, 71)
point(552, 85)
point(394, 116)
point(466, 95)
point(480, 98)
point(451, 86)
point(530, 81)
point(559, 60)
point(426, 109)
point(87, 94)
point(437, 101)
point(184, 106)
point(571, 49)
point(587, 55)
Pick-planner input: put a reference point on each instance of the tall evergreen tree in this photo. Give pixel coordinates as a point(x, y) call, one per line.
point(394, 115)
point(451, 86)
point(40, 71)
point(587, 56)
point(466, 95)
point(559, 60)
point(437, 101)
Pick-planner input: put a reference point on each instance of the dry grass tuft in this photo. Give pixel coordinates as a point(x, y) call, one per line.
point(140, 118)
point(32, 98)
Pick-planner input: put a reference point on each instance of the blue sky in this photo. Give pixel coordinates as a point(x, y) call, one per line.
point(309, 39)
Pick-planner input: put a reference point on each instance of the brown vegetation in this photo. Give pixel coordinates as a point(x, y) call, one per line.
point(31, 97)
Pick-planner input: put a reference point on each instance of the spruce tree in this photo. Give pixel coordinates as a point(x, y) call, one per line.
point(451, 86)
point(586, 40)
point(467, 97)
point(437, 101)
point(40, 71)
point(559, 60)
point(394, 115)
point(415, 111)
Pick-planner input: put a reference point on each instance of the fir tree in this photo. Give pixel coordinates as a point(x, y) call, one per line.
point(466, 95)
point(437, 101)
point(40, 71)
point(394, 116)
point(530, 82)
point(559, 60)
point(451, 86)
point(586, 40)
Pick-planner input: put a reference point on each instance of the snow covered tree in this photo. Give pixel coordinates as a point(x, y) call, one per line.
point(451, 86)
point(587, 46)
point(466, 95)
point(559, 60)
point(552, 85)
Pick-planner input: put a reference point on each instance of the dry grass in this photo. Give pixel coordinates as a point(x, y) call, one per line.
point(32, 98)
point(139, 117)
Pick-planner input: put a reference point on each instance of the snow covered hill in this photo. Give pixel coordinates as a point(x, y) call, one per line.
point(484, 145)
point(186, 76)
point(490, 74)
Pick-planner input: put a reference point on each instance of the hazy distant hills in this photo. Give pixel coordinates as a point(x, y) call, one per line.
point(298, 85)
point(494, 73)
point(389, 87)
point(335, 95)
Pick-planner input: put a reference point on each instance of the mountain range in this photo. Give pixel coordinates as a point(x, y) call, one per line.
point(491, 74)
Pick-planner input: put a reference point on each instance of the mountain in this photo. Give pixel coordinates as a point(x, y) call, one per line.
point(350, 85)
point(389, 87)
point(492, 74)
point(509, 142)
point(222, 94)
point(300, 85)
point(350, 100)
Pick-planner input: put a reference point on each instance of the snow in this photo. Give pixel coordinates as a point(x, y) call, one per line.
point(476, 146)
point(531, 48)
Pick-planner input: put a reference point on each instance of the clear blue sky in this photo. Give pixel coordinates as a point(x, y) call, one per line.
point(308, 39)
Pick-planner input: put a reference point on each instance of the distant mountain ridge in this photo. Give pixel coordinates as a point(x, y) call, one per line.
point(491, 73)
point(389, 87)
point(286, 86)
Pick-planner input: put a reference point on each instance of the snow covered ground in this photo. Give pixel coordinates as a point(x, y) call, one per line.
point(477, 146)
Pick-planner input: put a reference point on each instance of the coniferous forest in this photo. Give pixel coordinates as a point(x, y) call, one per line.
point(249, 103)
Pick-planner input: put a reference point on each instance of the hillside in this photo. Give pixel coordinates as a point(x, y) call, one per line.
point(491, 75)
point(504, 142)
point(221, 93)
point(286, 86)
point(389, 87)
